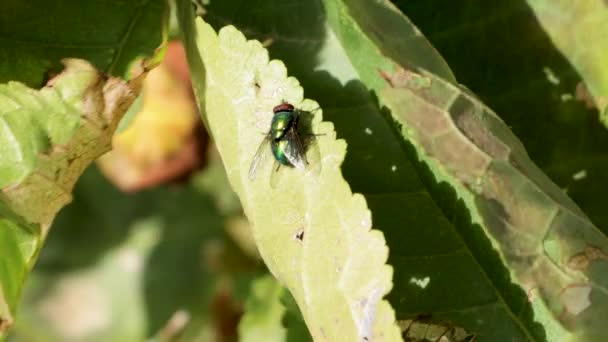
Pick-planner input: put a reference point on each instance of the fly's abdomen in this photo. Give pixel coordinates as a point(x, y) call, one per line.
point(278, 150)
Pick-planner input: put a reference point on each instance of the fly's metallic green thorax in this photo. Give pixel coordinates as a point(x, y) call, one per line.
point(282, 122)
point(287, 144)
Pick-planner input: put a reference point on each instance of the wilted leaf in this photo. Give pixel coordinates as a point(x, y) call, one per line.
point(48, 138)
point(51, 135)
point(312, 232)
point(550, 247)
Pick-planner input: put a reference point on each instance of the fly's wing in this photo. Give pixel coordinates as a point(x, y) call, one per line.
point(259, 157)
point(312, 153)
point(295, 150)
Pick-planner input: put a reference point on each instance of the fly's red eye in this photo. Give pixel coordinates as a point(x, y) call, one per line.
point(283, 107)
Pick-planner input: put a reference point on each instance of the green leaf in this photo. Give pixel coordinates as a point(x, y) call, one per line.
point(579, 31)
point(18, 245)
point(313, 233)
point(48, 138)
point(116, 37)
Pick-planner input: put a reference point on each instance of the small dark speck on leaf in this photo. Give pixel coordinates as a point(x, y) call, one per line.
point(300, 235)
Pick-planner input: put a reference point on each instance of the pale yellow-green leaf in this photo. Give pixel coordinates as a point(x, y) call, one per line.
point(313, 233)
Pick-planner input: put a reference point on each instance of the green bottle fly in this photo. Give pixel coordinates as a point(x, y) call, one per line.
point(284, 139)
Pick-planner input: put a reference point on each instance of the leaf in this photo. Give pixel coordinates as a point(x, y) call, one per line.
point(550, 247)
point(312, 232)
point(579, 31)
point(48, 138)
point(116, 37)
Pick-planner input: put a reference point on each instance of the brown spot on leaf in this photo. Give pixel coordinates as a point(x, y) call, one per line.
point(403, 78)
point(581, 261)
point(471, 125)
point(575, 298)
